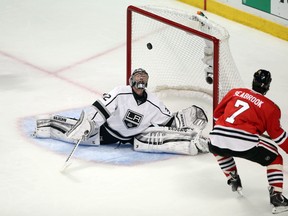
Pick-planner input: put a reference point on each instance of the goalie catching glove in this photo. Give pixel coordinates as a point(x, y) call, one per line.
point(192, 117)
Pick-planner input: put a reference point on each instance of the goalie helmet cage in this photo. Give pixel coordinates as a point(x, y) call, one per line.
point(170, 45)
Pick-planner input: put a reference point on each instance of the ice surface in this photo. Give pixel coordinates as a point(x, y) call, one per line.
point(58, 57)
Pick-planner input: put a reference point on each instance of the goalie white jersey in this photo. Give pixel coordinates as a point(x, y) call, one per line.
point(125, 114)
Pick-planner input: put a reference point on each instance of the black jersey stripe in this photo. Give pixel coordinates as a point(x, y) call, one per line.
point(234, 132)
point(159, 108)
point(226, 132)
point(129, 93)
point(234, 136)
point(101, 109)
point(281, 138)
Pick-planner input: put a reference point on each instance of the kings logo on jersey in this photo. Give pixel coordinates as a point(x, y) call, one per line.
point(132, 119)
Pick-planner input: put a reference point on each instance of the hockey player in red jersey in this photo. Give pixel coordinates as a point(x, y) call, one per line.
point(241, 118)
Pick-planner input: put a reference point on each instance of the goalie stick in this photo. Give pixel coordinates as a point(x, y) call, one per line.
point(67, 163)
point(76, 132)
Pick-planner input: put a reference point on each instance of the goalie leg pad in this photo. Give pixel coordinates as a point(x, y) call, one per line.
point(166, 140)
point(201, 143)
point(56, 127)
point(43, 127)
point(46, 125)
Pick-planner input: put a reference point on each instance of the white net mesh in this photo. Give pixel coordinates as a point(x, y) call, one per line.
point(175, 60)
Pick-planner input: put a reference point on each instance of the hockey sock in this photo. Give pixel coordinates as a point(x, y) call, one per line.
point(275, 174)
point(227, 164)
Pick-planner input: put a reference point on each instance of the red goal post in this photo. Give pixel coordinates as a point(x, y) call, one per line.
point(170, 44)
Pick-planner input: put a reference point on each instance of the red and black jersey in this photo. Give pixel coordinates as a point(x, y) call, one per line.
point(244, 113)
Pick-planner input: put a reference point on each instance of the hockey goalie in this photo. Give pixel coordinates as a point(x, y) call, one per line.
point(131, 115)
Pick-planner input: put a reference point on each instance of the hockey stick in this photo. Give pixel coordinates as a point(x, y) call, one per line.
point(83, 137)
point(67, 163)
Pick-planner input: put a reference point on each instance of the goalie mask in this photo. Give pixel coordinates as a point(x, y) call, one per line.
point(139, 79)
point(261, 81)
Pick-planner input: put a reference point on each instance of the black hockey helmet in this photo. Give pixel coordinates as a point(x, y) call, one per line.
point(140, 84)
point(261, 81)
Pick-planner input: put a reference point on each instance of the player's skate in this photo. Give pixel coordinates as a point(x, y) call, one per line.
point(235, 182)
point(279, 202)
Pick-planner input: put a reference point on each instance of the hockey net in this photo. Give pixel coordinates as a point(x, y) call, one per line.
point(170, 44)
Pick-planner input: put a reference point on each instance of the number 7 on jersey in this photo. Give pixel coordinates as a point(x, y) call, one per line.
point(239, 103)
